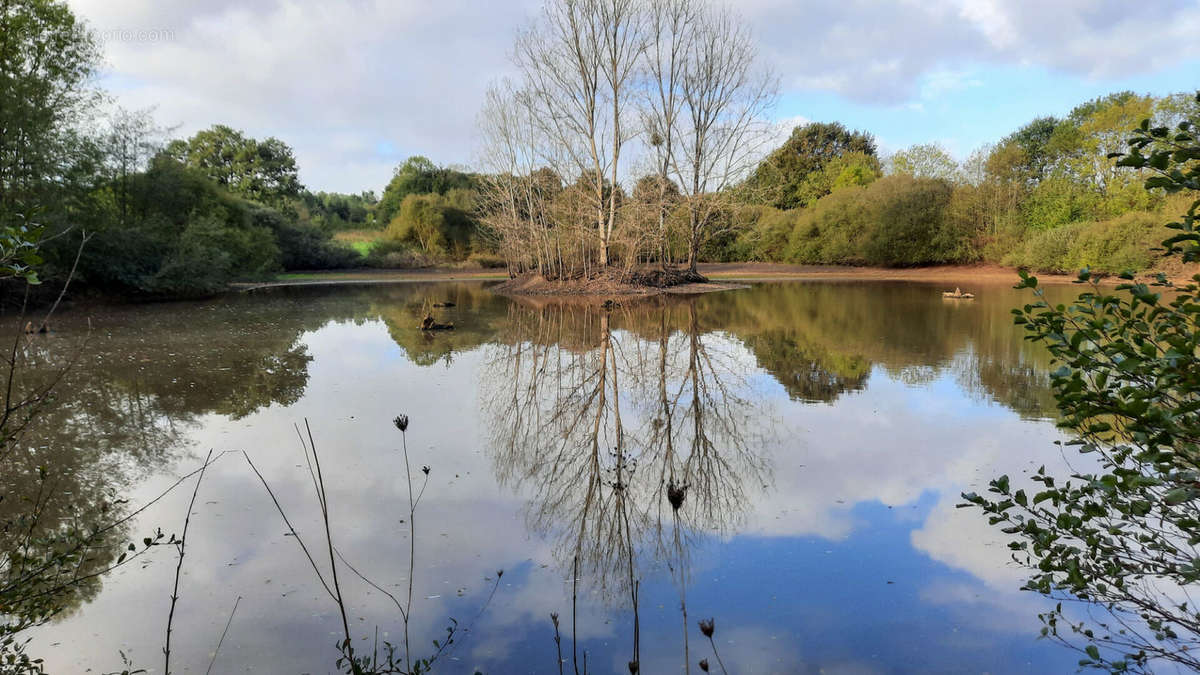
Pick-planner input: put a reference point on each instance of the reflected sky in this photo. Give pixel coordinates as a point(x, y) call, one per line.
point(824, 430)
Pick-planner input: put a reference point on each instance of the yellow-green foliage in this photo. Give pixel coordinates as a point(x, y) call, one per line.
point(895, 221)
point(831, 230)
point(1116, 245)
point(764, 233)
point(436, 224)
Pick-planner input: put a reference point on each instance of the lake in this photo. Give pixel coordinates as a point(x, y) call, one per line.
point(815, 437)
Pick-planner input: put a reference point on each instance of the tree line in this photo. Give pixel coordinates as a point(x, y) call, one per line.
point(636, 132)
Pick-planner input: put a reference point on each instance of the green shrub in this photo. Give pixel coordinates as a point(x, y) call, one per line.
point(1111, 246)
point(438, 225)
point(1058, 201)
point(1118, 245)
point(830, 230)
point(1046, 251)
point(303, 245)
point(396, 254)
point(180, 235)
point(762, 233)
point(487, 260)
point(895, 221)
point(908, 223)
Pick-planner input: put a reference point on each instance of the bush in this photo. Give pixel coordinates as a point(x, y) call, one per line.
point(395, 254)
point(182, 235)
point(1118, 245)
point(894, 221)
point(487, 260)
point(438, 225)
point(831, 230)
point(908, 223)
point(305, 246)
point(1109, 246)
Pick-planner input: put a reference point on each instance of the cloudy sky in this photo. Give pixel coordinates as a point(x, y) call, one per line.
point(357, 86)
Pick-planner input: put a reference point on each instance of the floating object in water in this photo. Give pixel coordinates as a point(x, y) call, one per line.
point(443, 304)
point(429, 323)
point(957, 294)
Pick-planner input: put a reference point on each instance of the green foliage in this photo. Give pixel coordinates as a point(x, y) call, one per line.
point(335, 212)
point(1119, 537)
point(1048, 251)
point(895, 221)
point(47, 58)
point(786, 180)
point(419, 176)
point(397, 254)
point(436, 224)
point(927, 160)
point(1057, 201)
point(1119, 534)
point(44, 98)
point(304, 245)
point(185, 236)
point(263, 171)
point(1173, 155)
point(833, 230)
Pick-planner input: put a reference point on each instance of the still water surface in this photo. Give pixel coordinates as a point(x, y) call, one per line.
point(824, 432)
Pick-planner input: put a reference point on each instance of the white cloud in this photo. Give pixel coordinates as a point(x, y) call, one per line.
point(878, 53)
point(343, 82)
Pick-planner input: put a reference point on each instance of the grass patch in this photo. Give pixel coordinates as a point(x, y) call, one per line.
point(360, 240)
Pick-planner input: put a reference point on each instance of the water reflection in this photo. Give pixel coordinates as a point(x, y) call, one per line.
point(818, 435)
point(634, 431)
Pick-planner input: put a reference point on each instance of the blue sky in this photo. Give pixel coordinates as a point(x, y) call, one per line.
point(965, 109)
point(357, 86)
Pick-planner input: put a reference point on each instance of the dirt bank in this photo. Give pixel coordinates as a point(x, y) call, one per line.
point(722, 273)
point(648, 281)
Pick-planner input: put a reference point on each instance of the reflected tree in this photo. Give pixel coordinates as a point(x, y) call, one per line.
point(635, 431)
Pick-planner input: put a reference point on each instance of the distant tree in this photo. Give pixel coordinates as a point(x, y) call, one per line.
point(1032, 144)
point(418, 175)
point(1103, 126)
point(716, 132)
point(925, 160)
point(783, 176)
point(263, 171)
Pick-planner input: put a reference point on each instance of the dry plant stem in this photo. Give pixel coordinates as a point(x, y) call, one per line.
point(291, 530)
point(558, 645)
point(181, 545)
point(412, 548)
point(78, 253)
point(349, 645)
point(718, 655)
point(223, 633)
point(687, 660)
point(574, 618)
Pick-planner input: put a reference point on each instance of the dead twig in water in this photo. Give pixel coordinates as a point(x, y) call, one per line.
point(181, 545)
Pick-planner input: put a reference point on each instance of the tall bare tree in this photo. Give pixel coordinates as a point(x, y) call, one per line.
point(671, 27)
point(709, 106)
point(578, 61)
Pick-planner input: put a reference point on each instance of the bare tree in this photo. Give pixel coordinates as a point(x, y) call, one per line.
point(671, 27)
point(710, 108)
point(578, 63)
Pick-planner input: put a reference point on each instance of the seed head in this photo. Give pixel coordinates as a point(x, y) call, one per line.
point(401, 422)
point(704, 665)
point(675, 494)
point(425, 469)
point(707, 627)
point(633, 668)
